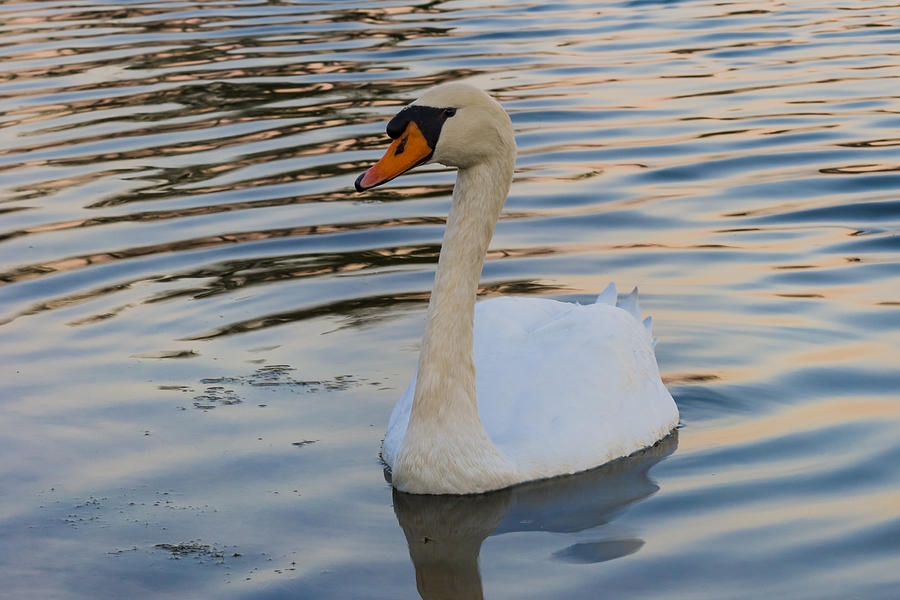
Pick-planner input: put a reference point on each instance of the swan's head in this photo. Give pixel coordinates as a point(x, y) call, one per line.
point(453, 124)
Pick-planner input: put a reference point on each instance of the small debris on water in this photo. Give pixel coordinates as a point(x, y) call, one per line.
point(192, 548)
point(168, 354)
point(220, 391)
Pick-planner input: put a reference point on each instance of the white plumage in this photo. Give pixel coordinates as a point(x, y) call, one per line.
point(561, 387)
point(511, 389)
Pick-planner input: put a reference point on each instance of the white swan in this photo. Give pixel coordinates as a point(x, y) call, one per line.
point(561, 387)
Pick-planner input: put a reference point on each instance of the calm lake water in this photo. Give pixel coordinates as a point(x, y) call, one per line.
point(203, 328)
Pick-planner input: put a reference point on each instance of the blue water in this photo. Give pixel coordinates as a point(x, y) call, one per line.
point(203, 328)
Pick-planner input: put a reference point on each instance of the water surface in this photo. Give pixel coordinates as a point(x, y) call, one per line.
point(204, 328)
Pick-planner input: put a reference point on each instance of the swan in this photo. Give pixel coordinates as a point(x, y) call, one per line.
point(507, 390)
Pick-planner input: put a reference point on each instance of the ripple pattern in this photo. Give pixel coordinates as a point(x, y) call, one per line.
point(176, 201)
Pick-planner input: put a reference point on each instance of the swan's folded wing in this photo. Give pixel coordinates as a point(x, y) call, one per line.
point(573, 391)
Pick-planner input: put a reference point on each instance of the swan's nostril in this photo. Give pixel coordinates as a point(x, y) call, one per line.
point(401, 146)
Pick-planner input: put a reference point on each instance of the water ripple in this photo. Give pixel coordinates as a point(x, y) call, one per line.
point(176, 182)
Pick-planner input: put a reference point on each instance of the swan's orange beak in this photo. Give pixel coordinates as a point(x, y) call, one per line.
point(409, 150)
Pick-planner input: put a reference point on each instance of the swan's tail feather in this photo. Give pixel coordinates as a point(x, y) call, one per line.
point(631, 304)
point(628, 303)
point(648, 325)
point(608, 295)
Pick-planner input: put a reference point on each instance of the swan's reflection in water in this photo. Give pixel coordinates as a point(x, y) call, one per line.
point(445, 533)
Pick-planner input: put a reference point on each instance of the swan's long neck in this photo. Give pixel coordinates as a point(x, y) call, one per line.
point(446, 443)
point(446, 356)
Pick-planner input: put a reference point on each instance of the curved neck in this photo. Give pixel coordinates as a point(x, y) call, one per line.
point(445, 386)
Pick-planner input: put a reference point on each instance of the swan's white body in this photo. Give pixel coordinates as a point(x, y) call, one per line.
point(531, 388)
point(561, 387)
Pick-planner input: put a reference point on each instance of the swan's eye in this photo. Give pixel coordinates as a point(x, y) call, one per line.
point(449, 112)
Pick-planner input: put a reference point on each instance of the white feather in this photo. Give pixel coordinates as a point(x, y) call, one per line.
point(631, 304)
point(535, 388)
point(561, 387)
point(608, 295)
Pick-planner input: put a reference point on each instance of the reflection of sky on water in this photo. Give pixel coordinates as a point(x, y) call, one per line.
point(176, 217)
